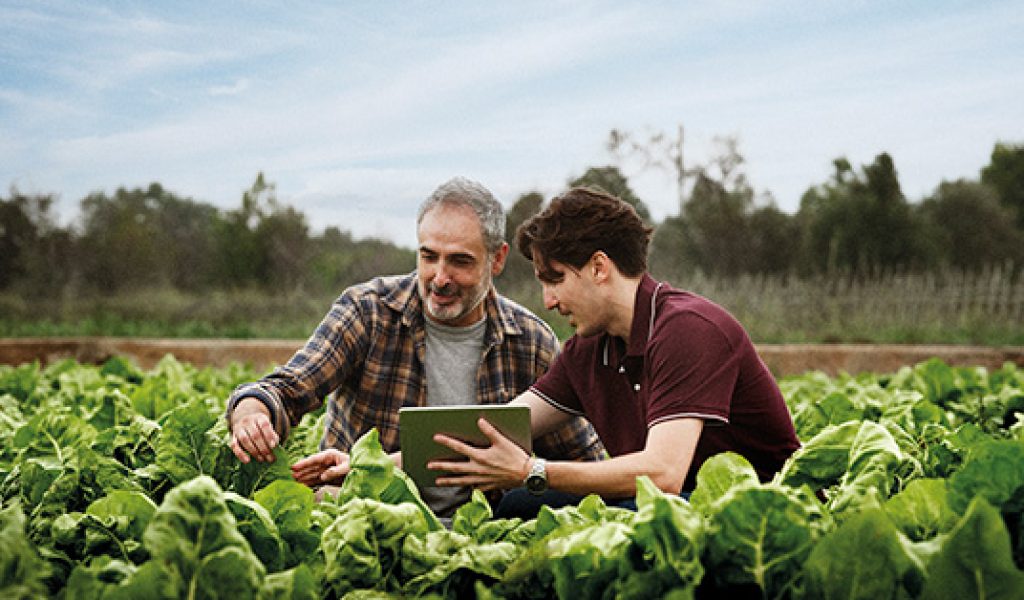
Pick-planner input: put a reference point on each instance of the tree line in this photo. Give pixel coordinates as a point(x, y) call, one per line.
point(857, 223)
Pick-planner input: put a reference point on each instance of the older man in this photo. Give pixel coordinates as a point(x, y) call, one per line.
point(440, 335)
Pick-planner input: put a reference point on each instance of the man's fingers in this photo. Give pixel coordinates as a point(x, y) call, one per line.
point(454, 444)
point(489, 430)
point(336, 472)
point(265, 429)
point(237, 450)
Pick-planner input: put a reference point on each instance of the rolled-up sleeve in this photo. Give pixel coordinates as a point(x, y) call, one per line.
point(300, 386)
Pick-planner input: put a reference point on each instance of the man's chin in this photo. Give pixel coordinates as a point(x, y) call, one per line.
point(450, 312)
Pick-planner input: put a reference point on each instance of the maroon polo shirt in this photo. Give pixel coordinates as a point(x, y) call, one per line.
point(687, 357)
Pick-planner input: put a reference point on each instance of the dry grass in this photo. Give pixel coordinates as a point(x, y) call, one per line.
point(985, 308)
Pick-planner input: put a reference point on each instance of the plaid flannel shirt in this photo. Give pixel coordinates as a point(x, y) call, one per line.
point(366, 358)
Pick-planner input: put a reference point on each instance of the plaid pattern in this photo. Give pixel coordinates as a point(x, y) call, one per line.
point(366, 358)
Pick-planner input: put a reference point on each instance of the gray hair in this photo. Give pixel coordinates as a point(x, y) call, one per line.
point(461, 191)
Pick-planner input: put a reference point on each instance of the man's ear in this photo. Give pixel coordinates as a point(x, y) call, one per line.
point(600, 266)
point(498, 261)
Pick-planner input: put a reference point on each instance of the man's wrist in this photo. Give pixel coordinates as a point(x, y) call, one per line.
point(536, 481)
point(525, 471)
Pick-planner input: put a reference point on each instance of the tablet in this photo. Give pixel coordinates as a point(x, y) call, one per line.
point(417, 426)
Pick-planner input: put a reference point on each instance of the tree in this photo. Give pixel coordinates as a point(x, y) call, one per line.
point(1005, 173)
point(146, 237)
point(858, 223)
point(611, 180)
point(242, 255)
point(774, 241)
point(17, 238)
point(518, 273)
point(968, 228)
point(659, 150)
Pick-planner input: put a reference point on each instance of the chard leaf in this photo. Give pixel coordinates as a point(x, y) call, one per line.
point(993, 470)
point(474, 519)
point(184, 448)
point(194, 537)
point(867, 557)
point(870, 472)
point(761, 536)
point(718, 476)
point(921, 511)
point(297, 583)
point(584, 562)
point(248, 478)
point(256, 524)
point(450, 564)
point(23, 572)
point(290, 505)
point(668, 535)
point(822, 461)
point(975, 560)
point(362, 546)
point(374, 475)
point(98, 578)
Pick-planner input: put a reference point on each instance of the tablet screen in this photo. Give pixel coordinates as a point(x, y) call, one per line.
point(417, 426)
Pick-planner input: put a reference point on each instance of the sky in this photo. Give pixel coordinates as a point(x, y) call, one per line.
point(356, 111)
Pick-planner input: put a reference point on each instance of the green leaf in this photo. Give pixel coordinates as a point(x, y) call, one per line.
point(867, 557)
point(975, 561)
point(290, 505)
point(761, 536)
point(22, 572)
point(669, 535)
point(719, 475)
point(194, 534)
point(870, 473)
point(255, 475)
point(362, 546)
point(450, 564)
point(184, 450)
point(98, 577)
point(994, 470)
point(921, 511)
point(374, 475)
point(822, 461)
point(297, 583)
point(256, 524)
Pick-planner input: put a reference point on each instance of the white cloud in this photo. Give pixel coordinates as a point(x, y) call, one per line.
point(240, 85)
point(358, 113)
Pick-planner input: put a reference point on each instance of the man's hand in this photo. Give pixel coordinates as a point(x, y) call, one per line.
point(252, 435)
point(325, 467)
point(501, 465)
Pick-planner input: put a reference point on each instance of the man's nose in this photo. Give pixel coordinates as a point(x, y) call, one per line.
point(550, 301)
point(441, 275)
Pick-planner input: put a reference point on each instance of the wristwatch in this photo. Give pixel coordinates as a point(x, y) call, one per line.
point(537, 481)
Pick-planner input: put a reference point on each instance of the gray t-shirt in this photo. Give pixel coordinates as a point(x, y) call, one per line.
point(452, 361)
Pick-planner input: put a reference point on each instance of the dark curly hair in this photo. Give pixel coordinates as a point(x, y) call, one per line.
point(577, 224)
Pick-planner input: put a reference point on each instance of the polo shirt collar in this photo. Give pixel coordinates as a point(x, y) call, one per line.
point(640, 330)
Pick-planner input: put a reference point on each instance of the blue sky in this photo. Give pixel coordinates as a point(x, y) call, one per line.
point(356, 111)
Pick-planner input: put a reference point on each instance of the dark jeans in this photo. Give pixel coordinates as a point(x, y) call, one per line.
point(521, 503)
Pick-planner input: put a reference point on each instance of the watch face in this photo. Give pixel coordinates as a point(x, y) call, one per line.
point(536, 484)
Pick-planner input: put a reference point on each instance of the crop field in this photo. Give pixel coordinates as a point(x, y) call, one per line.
point(118, 483)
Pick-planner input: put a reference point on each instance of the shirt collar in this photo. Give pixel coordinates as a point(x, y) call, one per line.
point(643, 313)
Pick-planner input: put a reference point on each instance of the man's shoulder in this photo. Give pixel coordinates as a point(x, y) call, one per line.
point(698, 316)
point(519, 320)
point(388, 290)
